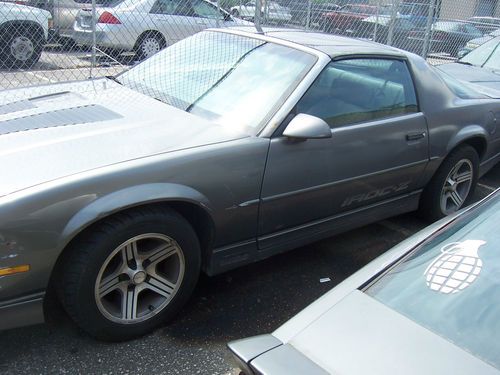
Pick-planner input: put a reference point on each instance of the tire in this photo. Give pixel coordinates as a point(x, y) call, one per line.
point(442, 197)
point(148, 45)
point(22, 47)
point(130, 273)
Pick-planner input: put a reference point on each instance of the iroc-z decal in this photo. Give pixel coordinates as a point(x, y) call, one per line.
point(360, 198)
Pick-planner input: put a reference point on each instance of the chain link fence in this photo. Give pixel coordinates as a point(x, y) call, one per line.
point(43, 41)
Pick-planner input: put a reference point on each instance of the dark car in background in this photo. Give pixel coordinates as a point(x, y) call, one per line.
point(447, 36)
point(485, 24)
point(349, 17)
point(299, 10)
point(481, 66)
point(377, 29)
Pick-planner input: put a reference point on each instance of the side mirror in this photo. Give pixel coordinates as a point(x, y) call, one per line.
point(307, 127)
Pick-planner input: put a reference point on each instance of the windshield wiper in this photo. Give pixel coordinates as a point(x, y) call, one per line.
point(114, 79)
point(464, 63)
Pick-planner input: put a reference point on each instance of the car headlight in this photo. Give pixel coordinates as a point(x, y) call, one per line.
point(472, 45)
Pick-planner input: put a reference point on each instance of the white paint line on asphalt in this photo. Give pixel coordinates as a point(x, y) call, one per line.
point(395, 227)
point(39, 76)
point(490, 188)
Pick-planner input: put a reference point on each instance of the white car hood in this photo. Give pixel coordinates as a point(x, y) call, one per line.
point(54, 131)
point(360, 335)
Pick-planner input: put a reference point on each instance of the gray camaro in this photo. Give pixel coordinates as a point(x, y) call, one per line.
point(225, 148)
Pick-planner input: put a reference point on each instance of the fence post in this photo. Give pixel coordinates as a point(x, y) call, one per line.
point(377, 18)
point(94, 41)
point(308, 19)
point(428, 29)
point(258, 15)
point(217, 21)
point(394, 14)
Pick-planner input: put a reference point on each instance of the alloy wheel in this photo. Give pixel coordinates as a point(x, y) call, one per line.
point(456, 187)
point(139, 278)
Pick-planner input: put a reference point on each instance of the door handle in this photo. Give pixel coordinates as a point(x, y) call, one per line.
point(414, 136)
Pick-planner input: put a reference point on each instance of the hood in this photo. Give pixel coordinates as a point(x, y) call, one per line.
point(54, 131)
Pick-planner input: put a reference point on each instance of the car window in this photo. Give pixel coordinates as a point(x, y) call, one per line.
point(357, 90)
point(197, 73)
point(165, 6)
point(205, 10)
point(451, 284)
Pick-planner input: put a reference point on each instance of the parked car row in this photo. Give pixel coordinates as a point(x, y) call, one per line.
point(377, 23)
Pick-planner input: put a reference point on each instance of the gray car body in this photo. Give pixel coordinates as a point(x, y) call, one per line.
point(348, 332)
point(99, 154)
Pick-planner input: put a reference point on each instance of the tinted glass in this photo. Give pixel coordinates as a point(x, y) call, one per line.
point(451, 284)
point(205, 10)
point(232, 80)
point(358, 90)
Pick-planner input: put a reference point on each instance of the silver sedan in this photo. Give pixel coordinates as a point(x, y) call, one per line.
point(147, 26)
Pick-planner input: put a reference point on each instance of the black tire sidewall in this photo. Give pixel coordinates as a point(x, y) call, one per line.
point(10, 61)
point(88, 315)
point(430, 207)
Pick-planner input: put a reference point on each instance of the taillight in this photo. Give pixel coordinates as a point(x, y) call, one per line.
point(108, 18)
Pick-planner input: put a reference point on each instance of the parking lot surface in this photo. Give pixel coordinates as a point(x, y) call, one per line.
point(248, 301)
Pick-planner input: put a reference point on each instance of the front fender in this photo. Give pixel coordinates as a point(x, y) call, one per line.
point(130, 197)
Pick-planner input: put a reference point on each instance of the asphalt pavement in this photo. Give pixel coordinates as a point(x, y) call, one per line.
point(248, 301)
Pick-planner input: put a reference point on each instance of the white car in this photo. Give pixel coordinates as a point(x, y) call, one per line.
point(23, 33)
point(147, 26)
point(271, 12)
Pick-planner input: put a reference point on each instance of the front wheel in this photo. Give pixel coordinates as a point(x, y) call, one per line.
point(453, 185)
point(131, 273)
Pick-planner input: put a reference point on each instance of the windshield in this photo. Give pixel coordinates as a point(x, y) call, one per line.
point(233, 80)
point(451, 284)
point(486, 55)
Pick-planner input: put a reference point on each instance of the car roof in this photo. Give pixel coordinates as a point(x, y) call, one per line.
point(332, 45)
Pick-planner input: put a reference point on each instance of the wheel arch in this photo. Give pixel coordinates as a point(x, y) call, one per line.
point(187, 202)
point(16, 24)
point(475, 136)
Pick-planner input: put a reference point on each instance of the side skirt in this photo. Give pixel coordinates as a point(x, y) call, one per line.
point(236, 255)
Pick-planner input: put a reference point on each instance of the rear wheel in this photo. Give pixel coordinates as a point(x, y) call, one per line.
point(453, 185)
point(131, 273)
point(148, 45)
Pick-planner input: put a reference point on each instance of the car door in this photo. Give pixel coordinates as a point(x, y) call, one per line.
point(377, 152)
